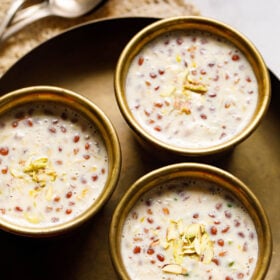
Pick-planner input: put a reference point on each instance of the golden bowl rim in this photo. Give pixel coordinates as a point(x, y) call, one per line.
point(211, 25)
point(194, 170)
point(105, 127)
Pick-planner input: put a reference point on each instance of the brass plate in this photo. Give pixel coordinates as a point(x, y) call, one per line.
point(83, 59)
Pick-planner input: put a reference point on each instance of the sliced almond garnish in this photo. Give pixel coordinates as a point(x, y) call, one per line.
point(172, 232)
point(197, 246)
point(198, 88)
point(40, 171)
point(192, 241)
point(174, 269)
point(180, 227)
point(188, 250)
point(193, 230)
point(195, 85)
point(49, 193)
point(207, 248)
point(32, 218)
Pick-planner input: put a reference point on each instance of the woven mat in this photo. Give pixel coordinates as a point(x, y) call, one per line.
point(38, 32)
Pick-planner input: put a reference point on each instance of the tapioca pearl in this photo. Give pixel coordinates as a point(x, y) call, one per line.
point(137, 250)
point(150, 251)
point(221, 242)
point(240, 275)
point(48, 209)
point(225, 229)
point(141, 60)
point(94, 177)
point(196, 215)
point(4, 170)
point(213, 230)
point(4, 151)
point(160, 257)
point(149, 202)
point(54, 121)
point(228, 214)
point(237, 223)
point(251, 235)
point(18, 209)
point(223, 253)
point(58, 209)
point(64, 116)
point(15, 124)
point(245, 247)
point(241, 234)
point(52, 129)
point(83, 180)
point(87, 146)
point(216, 261)
point(63, 129)
point(69, 194)
point(54, 219)
point(218, 205)
point(146, 230)
point(76, 151)
point(86, 156)
point(29, 122)
point(57, 199)
point(212, 214)
point(71, 203)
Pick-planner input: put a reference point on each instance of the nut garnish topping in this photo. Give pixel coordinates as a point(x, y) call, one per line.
point(191, 240)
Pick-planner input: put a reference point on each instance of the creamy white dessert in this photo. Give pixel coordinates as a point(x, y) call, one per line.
point(189, 229)
point(191, 89)
point(53, 165)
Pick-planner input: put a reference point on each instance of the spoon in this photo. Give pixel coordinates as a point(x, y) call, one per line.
point(15, 6)
point(61, 8)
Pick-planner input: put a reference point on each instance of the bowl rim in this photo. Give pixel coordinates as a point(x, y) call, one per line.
point(200, 171)
point(211, 25)
point(108, 133)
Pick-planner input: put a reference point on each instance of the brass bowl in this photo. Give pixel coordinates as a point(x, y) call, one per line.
point(154, 30)
point(193, 171)
point(94, 115)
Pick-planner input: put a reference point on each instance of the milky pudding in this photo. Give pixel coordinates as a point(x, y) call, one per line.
point(191, 89)
point(53, 164)
point(189, 229)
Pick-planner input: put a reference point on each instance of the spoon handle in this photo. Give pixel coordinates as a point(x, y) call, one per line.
point(15, 6)
point(42, 10)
